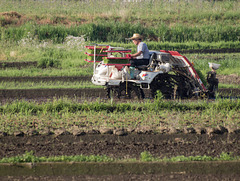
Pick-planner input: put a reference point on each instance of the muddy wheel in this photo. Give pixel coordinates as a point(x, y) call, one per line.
point(185, 87)
point(130, 91)
point(171, 86)
point(165, 84)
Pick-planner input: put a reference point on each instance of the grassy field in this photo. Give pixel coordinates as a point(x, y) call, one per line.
point(53, 33)
point(170, 12)
point(55, 36)
point(22, 115)
point(61, 60)
point(106, 20)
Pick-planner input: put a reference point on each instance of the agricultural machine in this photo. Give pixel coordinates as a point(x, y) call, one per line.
point(168, 72)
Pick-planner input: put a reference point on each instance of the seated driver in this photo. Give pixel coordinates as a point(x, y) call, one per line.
point(142, 55)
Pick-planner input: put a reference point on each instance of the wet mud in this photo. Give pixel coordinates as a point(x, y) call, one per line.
point(124, 147)
point(45, 94)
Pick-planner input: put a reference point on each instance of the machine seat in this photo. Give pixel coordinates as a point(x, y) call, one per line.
point(145, 67)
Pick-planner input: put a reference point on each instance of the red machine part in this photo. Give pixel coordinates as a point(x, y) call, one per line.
point(182, 60)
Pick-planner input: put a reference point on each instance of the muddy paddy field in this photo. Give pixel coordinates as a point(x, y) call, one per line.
point(127, 146)
point(56, 125)
point(177, 140)
point(38, 94)
point(121, 143)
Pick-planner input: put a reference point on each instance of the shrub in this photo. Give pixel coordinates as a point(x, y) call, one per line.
point(48, 62)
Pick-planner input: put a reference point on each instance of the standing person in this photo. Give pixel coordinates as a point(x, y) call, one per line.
point(212, 79)
point(142, 55)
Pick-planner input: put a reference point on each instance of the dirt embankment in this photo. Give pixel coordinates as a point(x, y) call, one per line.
point(229, 79)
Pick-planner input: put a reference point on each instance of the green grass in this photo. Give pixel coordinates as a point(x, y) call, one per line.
point(29, 157)
point(118, 31)
point(145, 156)
point(229, 62)
point(189, 12)
point(47, 85)
point(67, 59)
point(203, 21)
point(78, 71)
point(22, 115)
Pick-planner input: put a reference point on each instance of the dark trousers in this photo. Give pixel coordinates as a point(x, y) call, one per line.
point(138, 62)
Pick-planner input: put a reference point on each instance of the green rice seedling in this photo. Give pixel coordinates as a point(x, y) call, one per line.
point(26, 72)
point(29, 157)
point(146, 157)
point(20, 115)
point(46, 85)
point(58, 105)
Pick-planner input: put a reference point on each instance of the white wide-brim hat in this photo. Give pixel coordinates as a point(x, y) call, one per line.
point(214, 66)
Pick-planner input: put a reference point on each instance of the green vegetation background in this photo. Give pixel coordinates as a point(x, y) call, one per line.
point(54, 33)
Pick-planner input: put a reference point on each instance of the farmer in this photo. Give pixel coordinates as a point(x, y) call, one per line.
point(212, 79)
point(142, 55)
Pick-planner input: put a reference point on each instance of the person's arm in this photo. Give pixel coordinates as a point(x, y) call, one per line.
point(136, 54)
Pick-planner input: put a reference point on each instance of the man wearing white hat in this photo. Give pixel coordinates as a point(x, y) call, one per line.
point(142, 55)
point(212, 79)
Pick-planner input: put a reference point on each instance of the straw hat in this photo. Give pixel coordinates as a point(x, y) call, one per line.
point(136, 36)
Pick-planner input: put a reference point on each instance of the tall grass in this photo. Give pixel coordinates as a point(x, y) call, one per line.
point(197, 11)
point(107, 20)
point(229, 62)
point(118, 31)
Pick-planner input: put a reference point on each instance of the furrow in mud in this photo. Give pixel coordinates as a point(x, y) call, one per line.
point(128, 146)
point(49, 93)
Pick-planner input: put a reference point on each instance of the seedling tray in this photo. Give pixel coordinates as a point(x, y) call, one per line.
point(99, 49)
point(117, 51)
point(115, 60)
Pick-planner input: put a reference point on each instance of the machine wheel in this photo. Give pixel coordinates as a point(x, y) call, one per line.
point(165, 84)
point(126, 90)
point(172, 86)
point(129, 90)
